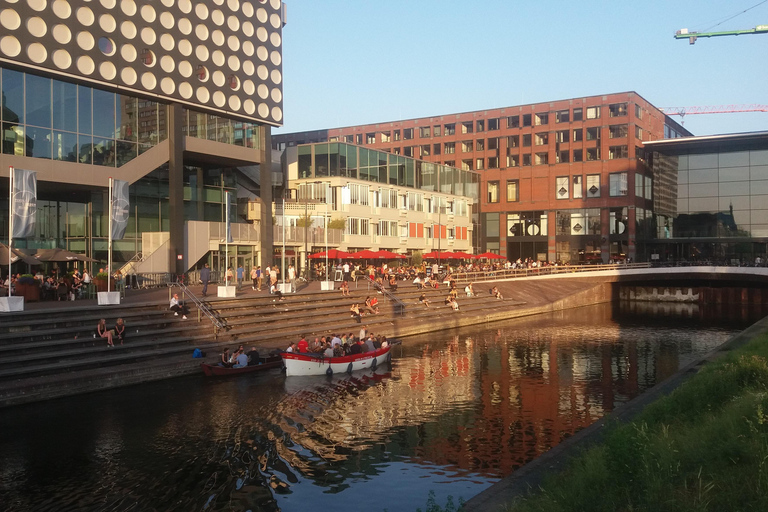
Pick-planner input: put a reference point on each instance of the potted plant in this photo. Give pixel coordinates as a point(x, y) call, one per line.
point(100, 281)
point(28, 287)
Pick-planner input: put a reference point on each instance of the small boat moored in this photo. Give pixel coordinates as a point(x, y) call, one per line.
point(265, 363)
point(307, 363)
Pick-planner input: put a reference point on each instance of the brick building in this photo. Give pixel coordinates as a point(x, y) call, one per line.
point(563, 180)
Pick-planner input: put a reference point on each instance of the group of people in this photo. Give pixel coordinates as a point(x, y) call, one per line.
point(53, 287)
point(338, 345)
point(239, 358)
point(369, 307)
point(116, 333)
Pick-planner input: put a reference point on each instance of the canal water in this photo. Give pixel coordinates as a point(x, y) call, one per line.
point(455, 412)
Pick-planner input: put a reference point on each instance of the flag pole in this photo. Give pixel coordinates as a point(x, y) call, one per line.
point(10, 226)
point(226, 238)
point(109, 245)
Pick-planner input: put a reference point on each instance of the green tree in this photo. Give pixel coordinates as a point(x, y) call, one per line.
point(304, 222)
point(337, 224)
point(416, 258)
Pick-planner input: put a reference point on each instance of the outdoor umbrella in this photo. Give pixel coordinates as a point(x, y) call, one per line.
point(389, 255)
point(366, 254)
point(445, 255)
point(60, 255)
point(332, 255)
point(464, 255)
point(490, 256)
point(16, 256)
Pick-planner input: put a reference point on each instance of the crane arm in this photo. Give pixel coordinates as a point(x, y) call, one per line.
point(692, 36)
point(714, 109)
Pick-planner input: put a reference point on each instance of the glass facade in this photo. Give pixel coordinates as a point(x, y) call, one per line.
point(47, 118)
point(715, 200)
point(345, 160)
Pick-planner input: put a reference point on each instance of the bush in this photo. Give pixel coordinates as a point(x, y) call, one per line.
point(101, 275)
point(27, 279)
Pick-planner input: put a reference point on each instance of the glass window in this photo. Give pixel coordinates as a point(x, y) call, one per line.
point(578, 155)
point(578, 135)
point(577, 114)
point(561, 187)
point(104, 152)
point(593, 133)
point(541, 159)
point(64, 106)
point(38, 94)
point(541, 118)
point(615, 152)
point(39, 142)
point(639, 185)
point(526, 159)
point(562, 116)
point(13, 96)
point(513, 191)
point(127, 116)
point(527, 119)
point(593, 185)
point(85, 154)
point(493, 191)
point(126, 151)
point(542, 138)
point(593, 112)
point(617, 131)
point(65, 146)
point(577, 193)
point(617, 110)
point(513, 122)
point(526, 139)
point(13, 139)
point(480, 125)
point(617, 184)
point(104, 122)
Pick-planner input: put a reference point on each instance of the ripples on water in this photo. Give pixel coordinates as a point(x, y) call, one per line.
point(455, 412)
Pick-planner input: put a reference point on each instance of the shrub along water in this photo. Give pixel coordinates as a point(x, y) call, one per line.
point(703, 447)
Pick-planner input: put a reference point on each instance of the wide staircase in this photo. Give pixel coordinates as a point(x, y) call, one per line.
point(49, 353)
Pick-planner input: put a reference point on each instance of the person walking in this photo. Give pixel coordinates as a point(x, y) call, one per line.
point(292, 277)
point(240, 276)
point(205, 277)
point(254, 277)
point(259, 278)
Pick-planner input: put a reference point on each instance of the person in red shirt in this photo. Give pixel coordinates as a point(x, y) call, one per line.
point(303, 345)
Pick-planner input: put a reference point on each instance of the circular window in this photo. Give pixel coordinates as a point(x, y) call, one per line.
point(107, 46)
point(234, 83)
point(148, 57)
point(202, 73)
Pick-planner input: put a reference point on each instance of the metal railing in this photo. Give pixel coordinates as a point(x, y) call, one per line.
point(202, 307)
point(502, 274)
point(150, 279)
point(399, 304)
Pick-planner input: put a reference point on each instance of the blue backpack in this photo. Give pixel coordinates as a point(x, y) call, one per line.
point(197, 353)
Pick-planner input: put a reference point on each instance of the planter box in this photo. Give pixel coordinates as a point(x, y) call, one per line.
point(284, 288)
point(327, 285)
point(101, 285)
point(108, 298)
point(30, 292)
point(227, 291)
point(11, 304)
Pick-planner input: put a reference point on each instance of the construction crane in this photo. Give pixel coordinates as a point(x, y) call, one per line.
point(717, 109)
point(692, 36)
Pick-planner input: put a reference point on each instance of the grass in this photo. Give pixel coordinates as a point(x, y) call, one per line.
point(702, 448)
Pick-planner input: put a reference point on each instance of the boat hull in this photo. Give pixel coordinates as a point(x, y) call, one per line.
point(214, 370)
point(297, 363)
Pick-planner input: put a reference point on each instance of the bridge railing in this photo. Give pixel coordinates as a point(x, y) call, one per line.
point(504, 274)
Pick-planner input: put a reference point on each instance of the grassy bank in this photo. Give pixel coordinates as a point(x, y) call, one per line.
point(703, 447)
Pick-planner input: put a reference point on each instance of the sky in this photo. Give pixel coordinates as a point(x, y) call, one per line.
point(362, 61)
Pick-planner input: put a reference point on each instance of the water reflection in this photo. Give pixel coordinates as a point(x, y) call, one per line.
point(453, 413)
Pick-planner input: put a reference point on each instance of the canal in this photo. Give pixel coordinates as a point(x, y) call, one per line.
point(455, 412)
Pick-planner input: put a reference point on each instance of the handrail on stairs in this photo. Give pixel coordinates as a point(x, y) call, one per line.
point(389, 295)
point(201, 305)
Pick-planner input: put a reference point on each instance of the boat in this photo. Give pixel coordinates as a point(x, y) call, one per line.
point(265, 363)
point(307, 363)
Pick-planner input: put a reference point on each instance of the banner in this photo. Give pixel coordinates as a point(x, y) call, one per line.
point(120, 209)
point(24, 203)
point(229, 227)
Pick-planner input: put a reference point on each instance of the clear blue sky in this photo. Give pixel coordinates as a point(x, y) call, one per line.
point(355, 62)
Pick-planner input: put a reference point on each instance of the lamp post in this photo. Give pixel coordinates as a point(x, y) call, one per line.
point(306, 225)
point(439, 229)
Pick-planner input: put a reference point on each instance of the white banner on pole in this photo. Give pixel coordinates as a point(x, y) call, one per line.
point(120, 208)
point(24, 203)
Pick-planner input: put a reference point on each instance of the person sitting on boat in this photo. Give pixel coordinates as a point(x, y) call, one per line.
point(241, 361)
point(303, 345)
point(292, 347)
point(253, 357)
point(384, 342)
point(356, 348)
point(178, 307)
point(370, 343)
point(328, 352)
point(469, 290)
point(224, 359)
point(423, 299)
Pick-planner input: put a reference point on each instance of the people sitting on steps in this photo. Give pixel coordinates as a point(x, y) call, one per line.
point(178, 307)
point(103, 332)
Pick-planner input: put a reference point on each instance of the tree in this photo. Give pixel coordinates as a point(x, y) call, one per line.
point(304, 222)
point(337, 224)
point(416, 258)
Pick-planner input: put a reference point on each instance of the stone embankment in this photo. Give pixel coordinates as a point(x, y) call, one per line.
point(50, 351)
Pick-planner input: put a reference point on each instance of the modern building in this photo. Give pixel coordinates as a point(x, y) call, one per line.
point(373, 200)
point(564, 180)
point(175, 97)
point(711, 199)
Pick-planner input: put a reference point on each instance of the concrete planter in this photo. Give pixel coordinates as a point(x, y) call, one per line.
point(108, 298)
point(327, 285)
point(284, 287)
point(11, 304)
point(227, 291)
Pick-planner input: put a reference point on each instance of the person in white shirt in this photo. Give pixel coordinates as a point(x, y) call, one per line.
point(177, 307)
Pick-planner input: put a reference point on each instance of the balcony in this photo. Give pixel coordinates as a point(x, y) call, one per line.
point(314, 235)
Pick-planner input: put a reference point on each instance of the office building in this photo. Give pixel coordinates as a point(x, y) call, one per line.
point(564, 180)
point(175, 97)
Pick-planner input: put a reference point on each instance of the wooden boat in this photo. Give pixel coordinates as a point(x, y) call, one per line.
point(265, 363)
point(304, 363)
